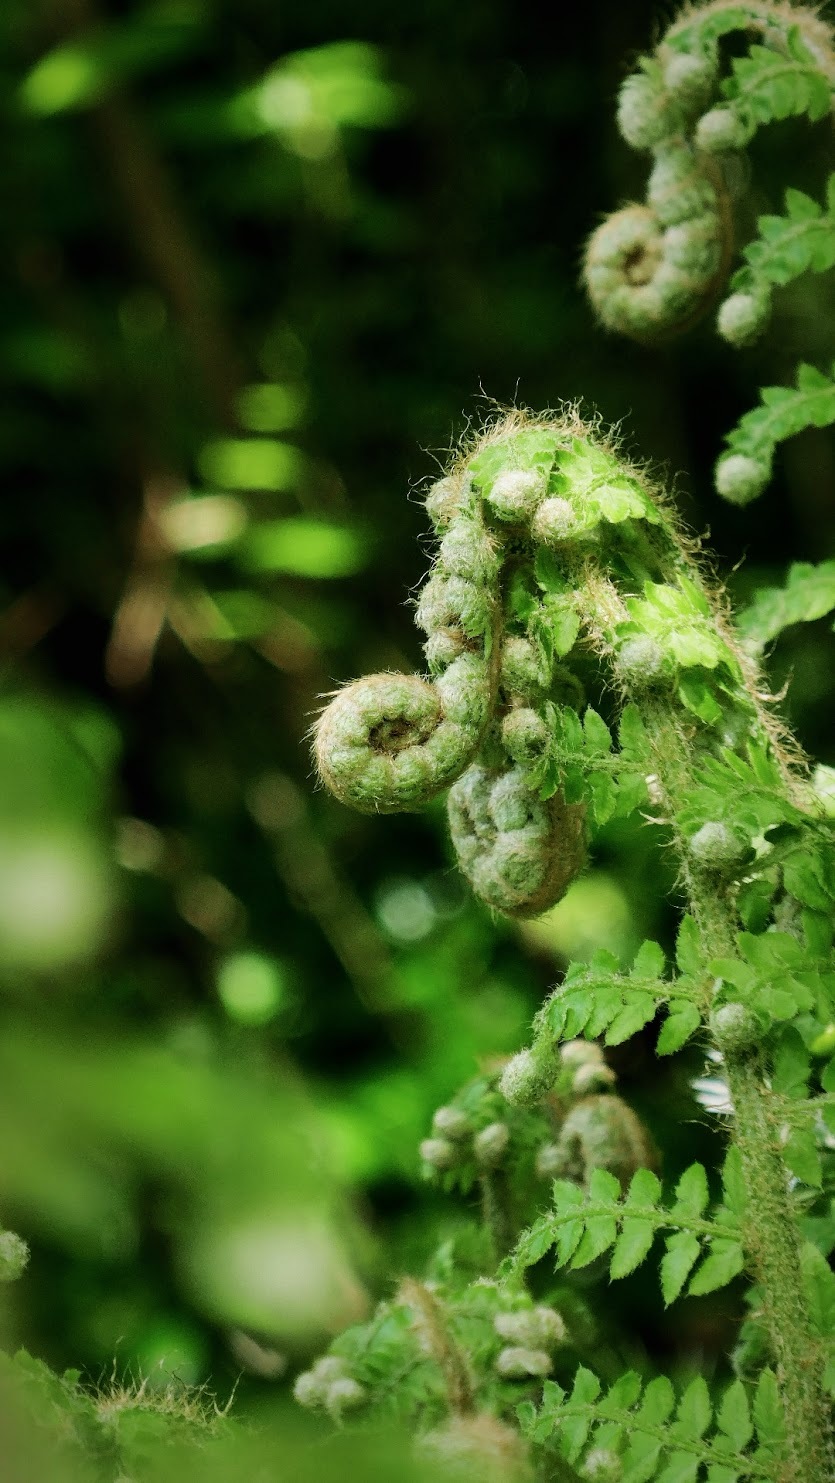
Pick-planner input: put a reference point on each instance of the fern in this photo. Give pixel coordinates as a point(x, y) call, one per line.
point(650, 1432)
point(654, 268)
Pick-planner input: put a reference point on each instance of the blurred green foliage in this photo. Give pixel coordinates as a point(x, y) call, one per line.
point(256, 260)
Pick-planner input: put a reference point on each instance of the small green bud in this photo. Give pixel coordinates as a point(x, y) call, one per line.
point(602, 1466)
point(444, 645)
point(722, 129)
point(735, 1028)
point(646, 112)
point(554, 522)
point(515, 494)
point(678, 188)
point(524, 734)
point(741, 479)
point(311, 1388)
point(742, 317)
point(549, 1161)
point(490, 1145)
point(344, 1394)
point(642, 662)
point(444, 501)
point(694, 247)
point(439, 1153)
point(479, 1447)
point(716, 847)
point(690, 78)
point(524, 673)
point(14, 1256)
point(524, 1079)
point(518, 1363)
point(593, 1077)
point(452, 1123)
point(532, 1328)
point(587, 1066)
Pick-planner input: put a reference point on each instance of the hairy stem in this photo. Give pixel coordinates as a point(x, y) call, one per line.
point(771, 1234)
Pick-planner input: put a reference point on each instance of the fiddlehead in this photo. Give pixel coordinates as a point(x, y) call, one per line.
point(501, 620)
point(651, 269)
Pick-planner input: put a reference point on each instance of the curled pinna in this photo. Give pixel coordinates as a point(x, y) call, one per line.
point(550, 543)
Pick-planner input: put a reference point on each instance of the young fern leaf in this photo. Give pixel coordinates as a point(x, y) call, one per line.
point(652, 269)
point(584, 1225)
point(652, 1433)
point(808, 594)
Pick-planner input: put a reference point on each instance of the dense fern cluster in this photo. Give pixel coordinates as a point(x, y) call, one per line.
point(652, 269)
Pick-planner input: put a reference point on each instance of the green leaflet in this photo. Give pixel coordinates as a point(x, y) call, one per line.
point(659, 1434)
point(808, 594)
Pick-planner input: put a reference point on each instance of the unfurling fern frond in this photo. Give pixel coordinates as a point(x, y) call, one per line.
point(652, 269)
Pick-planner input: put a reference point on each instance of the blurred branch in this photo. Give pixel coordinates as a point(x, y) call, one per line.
point(160, 235)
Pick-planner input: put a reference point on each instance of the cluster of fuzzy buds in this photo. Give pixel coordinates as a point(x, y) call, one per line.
point(330, 1386)
point(531, 1335)
point(599, 1132)
point(455, 1141)
point(530, 523)
point(652, 268)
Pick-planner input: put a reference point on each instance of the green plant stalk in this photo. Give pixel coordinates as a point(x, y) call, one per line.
point(771, 1234)
point(554, 500)
point(772, 1237)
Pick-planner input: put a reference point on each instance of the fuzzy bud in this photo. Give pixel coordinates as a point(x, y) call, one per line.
point(14, 1256)
point(735, 1028)
point(716, 847)
point(600, 1132)
point(678, 189)
point(478, 1449)
point(602, 1466)
point(452, 1123)
point(524, 1079)
point(742, 317)
point(691, 78)
point(524, 672)
point(532, 1328)
point(524, 734)
point(554, 522)
point(519, 853)
point(720, 130)
point(518, 1363)
point(593, 1077)
point(642, 662)
point(587, 1066)
point(549, 1161)
point(490, 1145)
point(515, 494)
point(741, 479)
point(344, 1394)
point(646, 112)
point(444, 501)
point(439, 1153)
point(311, 1388)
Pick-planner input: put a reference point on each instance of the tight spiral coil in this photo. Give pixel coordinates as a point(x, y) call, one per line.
point(525, 519)
point(651, 269)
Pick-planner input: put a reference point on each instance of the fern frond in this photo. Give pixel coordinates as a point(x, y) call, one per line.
point(584, 1225)
point(808, 594)
point(656, 1434)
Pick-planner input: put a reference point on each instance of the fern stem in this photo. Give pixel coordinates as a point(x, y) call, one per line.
point(771, 1234)
point(495, 1212)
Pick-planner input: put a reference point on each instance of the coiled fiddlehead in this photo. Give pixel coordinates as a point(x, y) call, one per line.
point(534, 522)
point(651, 269)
